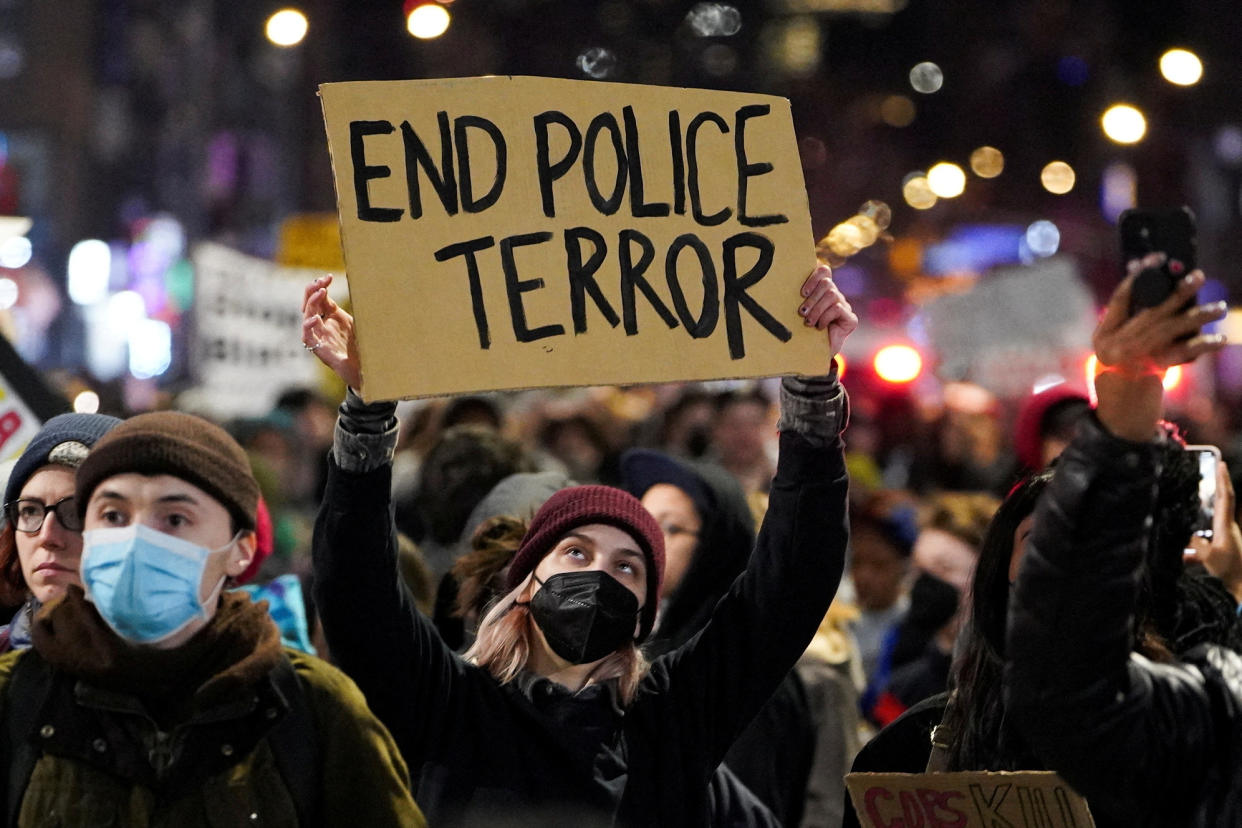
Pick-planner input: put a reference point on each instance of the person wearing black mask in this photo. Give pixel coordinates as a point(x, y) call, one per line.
point(554, 716)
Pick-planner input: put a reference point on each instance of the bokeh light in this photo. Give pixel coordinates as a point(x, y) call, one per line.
point(86, 402)
point(1057, 177)
point(926, 77)
point(1124, 124)
point(714, 20)
point(987, 162)
point(897, 363)
point(287, 27)
point(597, 62)
point(946, 180)
point(897, 111)
point(1043, 238)
point(150, 348)
point(8, 293)
point(428, 21)
point(1227, 143)
point(839, 359)
point(1118, 190)
point(90, 267)
point(1181, 67)
point(15, 252)
point(877, 211)
point(1172, 377)
point(918, 193)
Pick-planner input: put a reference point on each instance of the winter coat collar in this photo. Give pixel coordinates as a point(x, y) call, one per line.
point(238, 647)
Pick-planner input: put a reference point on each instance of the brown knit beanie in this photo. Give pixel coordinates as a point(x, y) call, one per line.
point(177, 444)
point(579, 506)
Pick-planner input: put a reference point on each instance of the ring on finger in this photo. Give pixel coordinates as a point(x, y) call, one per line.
point(314, 347)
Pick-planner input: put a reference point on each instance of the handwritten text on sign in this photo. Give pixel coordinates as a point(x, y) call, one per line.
point(519, 232)
point(1026, 799)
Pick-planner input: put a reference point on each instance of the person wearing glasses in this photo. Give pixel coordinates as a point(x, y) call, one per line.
point(41, 542)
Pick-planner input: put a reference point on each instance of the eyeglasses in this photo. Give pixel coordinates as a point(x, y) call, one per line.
point(28, 515)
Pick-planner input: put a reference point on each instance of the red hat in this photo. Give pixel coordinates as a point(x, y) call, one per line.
point(264, 542)
point(578, 506)
point(1032, 422)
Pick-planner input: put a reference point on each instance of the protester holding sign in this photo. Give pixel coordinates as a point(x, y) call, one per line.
point(554, 717)
point(1146, 744)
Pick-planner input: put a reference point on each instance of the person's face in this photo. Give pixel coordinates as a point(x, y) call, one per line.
point(179, 508)
point(49, 557)
point(674, 510)
point(878, 570)
point(1020, 536)
point(740, 431)
point(946, 556)
point(598, 546)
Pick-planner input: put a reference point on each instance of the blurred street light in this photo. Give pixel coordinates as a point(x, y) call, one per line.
point(428, 21)
point(946, 180)
point(287, 27)
point(1181, 67)
point(1057, 177)
point(1124, 124)
point(987, 162)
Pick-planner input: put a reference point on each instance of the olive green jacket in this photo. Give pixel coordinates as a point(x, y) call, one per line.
point(102, 759)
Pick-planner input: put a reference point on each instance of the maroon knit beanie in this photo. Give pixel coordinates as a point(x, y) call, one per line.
point(579, 506)
point(177, 444)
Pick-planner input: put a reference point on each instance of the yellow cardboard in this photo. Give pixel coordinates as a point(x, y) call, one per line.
point(976, 799)
point(487, 223)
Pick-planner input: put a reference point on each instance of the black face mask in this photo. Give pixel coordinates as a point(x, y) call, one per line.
point(584, 615)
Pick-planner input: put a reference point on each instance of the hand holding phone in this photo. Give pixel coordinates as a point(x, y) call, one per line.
point(1170, 231)
point(1220, 552)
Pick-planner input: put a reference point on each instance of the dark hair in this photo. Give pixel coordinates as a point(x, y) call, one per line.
point(894, 521)
point(976, 716)
point(461, 468)
point(753, 395)
point(13, 588)
point(980, 738)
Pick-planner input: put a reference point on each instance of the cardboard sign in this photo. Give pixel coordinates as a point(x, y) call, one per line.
point(1025, 799)
point(510, 232)
point(248, 332)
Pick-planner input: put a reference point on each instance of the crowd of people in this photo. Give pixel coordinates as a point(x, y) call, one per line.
point(662, 606)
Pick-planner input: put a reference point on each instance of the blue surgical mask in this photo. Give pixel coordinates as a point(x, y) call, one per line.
point(144, 582)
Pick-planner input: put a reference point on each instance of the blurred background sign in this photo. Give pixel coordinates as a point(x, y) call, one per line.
point(248, 339)
point(1014, 326)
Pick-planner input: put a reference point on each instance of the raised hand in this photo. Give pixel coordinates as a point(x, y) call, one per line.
point(1158, 337)
point(328, 332)
point(824, 307)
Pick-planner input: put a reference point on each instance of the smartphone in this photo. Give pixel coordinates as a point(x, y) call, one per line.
point(1171, 231)
point(1209, 461)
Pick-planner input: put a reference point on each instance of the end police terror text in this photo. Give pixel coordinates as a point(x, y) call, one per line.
point(448, 174)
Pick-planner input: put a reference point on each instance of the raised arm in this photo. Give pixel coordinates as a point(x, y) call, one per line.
point(374, 632)
point(1134, 737)
point(715, 683)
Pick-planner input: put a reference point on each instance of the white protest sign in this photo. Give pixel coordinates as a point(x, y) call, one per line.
point(248, 332)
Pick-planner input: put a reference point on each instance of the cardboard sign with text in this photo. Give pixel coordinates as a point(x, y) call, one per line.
point(979, 799)
point(514, 232)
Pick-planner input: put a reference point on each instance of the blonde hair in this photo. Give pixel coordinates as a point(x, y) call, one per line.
point(506, 634)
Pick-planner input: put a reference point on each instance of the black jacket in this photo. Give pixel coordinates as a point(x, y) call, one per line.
point(531, 752)
point(1147, 744)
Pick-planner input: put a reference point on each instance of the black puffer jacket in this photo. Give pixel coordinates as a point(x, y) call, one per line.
point(1147, 744)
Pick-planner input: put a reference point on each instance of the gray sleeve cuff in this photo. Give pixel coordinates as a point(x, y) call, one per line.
point(815, 407)
point(366, 434)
